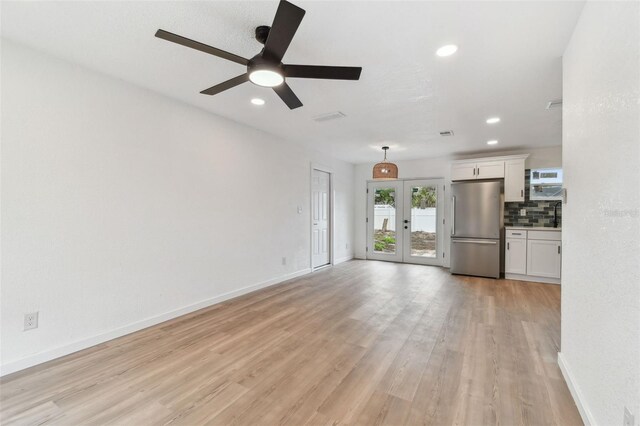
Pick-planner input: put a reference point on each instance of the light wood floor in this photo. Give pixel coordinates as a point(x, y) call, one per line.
point(361, 343)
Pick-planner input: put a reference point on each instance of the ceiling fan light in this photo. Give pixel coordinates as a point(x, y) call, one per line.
point(266, 78)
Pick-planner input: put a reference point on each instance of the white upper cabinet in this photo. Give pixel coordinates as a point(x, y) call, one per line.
point(490, 169)
point(514, 180)
point(477, 170)
point(510, 167)
point(463, 171)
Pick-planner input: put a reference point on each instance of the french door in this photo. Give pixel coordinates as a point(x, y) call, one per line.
point(404, 221)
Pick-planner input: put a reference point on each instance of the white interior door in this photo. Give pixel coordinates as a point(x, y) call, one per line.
point(423, 239)
point(384, 220)
point(320, 214)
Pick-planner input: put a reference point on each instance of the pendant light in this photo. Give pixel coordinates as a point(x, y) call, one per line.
point(385, 170)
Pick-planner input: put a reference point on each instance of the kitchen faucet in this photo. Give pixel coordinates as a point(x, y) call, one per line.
point(555, 214)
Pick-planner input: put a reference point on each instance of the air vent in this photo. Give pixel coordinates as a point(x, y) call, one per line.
point(555, 104)
point(328, 116)
point(446, 133)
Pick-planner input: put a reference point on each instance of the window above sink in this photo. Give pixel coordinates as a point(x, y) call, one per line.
point(546, 184)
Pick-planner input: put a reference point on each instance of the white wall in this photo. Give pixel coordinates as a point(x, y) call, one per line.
point(121, 207)
point(434, 168)
point(600, 353)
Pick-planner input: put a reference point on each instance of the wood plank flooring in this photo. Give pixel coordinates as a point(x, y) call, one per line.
point(362, 343)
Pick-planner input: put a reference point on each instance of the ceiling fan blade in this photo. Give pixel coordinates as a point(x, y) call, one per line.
point(287, 95)
point(235, 81)
point(175, 38)
point(284, 27)
point(325, 72)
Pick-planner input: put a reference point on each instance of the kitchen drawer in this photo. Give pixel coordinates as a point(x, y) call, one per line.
point(516, 233)
point(545, 235)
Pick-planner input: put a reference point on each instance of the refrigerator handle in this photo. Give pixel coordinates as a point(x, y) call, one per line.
point(484, 242)
point(453, 215)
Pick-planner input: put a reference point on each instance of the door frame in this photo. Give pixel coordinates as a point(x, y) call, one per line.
point(331, 245)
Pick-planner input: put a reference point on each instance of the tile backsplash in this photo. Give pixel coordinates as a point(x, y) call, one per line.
point(539, 213)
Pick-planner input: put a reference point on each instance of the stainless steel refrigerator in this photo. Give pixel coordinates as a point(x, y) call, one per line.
point(476, 228)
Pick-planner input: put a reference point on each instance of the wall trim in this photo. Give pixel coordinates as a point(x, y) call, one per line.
point(78, 345)
point(532, 278)
point(343, 259)
point(578, 398)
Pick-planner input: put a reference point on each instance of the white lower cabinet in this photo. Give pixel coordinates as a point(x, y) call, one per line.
point(515, 261)
point(533, 255)
point(543, 258)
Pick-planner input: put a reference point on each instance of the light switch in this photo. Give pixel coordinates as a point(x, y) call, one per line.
point(299, 210)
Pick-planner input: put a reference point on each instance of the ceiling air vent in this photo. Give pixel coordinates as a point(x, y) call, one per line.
point(555, 104)
point(328, 116)
point(446, 133)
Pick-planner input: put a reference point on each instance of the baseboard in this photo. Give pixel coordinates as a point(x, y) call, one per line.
point(342, 259)
point(39, 358)
point(531, 278)
point(578, 398)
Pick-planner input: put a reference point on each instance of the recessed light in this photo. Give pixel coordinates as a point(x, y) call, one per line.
point(493, 142)
point(447, 50)
point(493, 120)
point(257, 101)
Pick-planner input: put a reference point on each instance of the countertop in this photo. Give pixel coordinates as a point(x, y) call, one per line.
point(533, 228)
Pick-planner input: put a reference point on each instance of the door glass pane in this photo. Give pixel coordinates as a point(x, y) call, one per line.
point(423, 221)
point(384, 221)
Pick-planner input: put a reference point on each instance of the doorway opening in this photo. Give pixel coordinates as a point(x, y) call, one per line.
point(404, 221)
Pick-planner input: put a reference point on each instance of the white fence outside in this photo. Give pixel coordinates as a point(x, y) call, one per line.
point(422, 219)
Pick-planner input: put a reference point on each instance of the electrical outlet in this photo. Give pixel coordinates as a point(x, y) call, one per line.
point(523, 212)
point(284, 260)
point(30, 321)
point(628, 418)
point(299, 210)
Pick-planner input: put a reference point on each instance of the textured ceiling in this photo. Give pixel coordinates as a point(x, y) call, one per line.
point(508, 64)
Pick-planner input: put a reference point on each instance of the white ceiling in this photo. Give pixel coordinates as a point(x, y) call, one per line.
point(508, 64)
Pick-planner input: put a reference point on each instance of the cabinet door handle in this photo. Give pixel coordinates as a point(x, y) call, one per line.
point(558, 249)
point(507, 246)
point(478, 171)
point(474, 171)
point(522, 192)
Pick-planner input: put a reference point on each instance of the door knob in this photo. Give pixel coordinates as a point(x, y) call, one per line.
point(406, 221)
point(406, 227)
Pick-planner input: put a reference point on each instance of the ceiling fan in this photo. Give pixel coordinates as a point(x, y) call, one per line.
point(266, 68)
